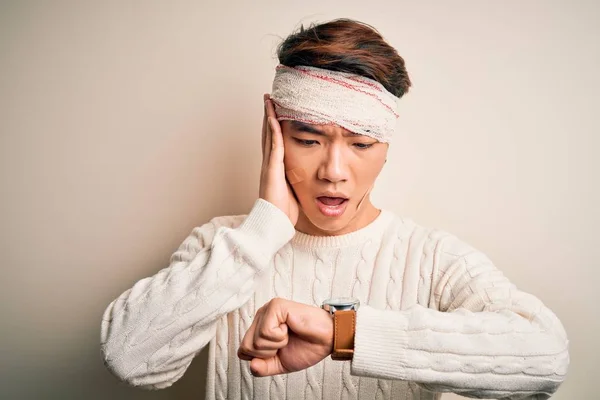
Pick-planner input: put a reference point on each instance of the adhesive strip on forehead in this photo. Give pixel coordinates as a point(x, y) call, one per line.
point(296, 175)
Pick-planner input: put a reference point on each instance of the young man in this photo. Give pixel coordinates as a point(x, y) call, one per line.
point(317, 293)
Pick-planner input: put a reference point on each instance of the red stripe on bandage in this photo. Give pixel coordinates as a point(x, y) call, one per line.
point(341, 83)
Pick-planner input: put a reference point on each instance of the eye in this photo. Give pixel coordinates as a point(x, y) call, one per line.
point(307, 143)
point(363, 146)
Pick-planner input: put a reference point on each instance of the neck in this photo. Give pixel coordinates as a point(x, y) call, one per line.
point(363, 217)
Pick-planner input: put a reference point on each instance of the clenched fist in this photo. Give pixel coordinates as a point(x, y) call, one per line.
point(287, 336)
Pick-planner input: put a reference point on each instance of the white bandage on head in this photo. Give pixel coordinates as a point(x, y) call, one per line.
point(319, 96)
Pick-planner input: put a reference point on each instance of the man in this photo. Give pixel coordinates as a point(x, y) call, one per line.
point(317, 293)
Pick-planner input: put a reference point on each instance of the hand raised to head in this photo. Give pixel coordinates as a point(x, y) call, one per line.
point(274, 187)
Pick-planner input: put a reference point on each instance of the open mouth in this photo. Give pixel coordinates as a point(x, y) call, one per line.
point(331, 206)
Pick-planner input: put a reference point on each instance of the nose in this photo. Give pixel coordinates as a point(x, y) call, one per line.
point(333, 167)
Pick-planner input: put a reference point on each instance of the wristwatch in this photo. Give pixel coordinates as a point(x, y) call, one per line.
point(343, 310)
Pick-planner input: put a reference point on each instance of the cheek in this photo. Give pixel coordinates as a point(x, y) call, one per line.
point(294, 171)
point(375, 163)
point(367, 172)
point(295, 157)
point(290, 157)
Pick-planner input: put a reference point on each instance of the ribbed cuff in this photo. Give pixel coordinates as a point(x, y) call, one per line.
point(380, 344)
point(268, 227)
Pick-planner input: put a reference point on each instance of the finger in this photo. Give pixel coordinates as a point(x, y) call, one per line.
point(262, 344)
point(270, 108)
point(292, 192)
point(277, 151)
point(264, 125)
point(267, 367)
point(268, 135)
point(272, 325)
point(243, 356)
point(271, 114)
point(248, 349)
point(265, 341)
point(246, 346)
point(257, 323)
point(248, 355)
point(267, 338)
point(268, 329)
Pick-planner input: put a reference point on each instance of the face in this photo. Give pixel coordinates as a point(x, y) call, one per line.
point(339, 170)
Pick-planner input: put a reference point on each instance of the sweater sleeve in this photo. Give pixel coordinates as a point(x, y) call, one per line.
point(151, 333)
point(480, 338)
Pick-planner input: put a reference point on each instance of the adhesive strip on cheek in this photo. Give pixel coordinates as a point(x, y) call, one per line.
point(296, 175)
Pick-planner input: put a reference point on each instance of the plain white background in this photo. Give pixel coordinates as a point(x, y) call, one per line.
point(125, 124)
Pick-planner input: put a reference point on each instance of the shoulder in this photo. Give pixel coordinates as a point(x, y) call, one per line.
point(228, 221)
point(405, 228)
point(443, 242)
point(204, 233)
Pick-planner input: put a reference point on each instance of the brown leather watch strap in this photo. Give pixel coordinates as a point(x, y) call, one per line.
point(343, 334)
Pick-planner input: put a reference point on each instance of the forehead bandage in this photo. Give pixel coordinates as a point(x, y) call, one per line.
point(319, 96)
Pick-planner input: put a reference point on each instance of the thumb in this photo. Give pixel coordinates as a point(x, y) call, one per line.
point(267, 367)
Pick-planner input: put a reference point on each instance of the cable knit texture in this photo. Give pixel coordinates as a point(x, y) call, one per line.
point(436, 315)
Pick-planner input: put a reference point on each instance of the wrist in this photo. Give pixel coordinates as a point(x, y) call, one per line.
point(331, 333)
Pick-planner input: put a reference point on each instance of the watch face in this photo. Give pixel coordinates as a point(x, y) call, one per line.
point(340, 303)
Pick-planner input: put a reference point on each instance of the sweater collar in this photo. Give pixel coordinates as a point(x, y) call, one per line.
point(373, 230)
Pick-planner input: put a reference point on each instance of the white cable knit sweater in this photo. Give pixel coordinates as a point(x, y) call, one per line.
point(436, 315)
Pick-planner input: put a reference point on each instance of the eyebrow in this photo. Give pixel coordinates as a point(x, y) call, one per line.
point(304, 127)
